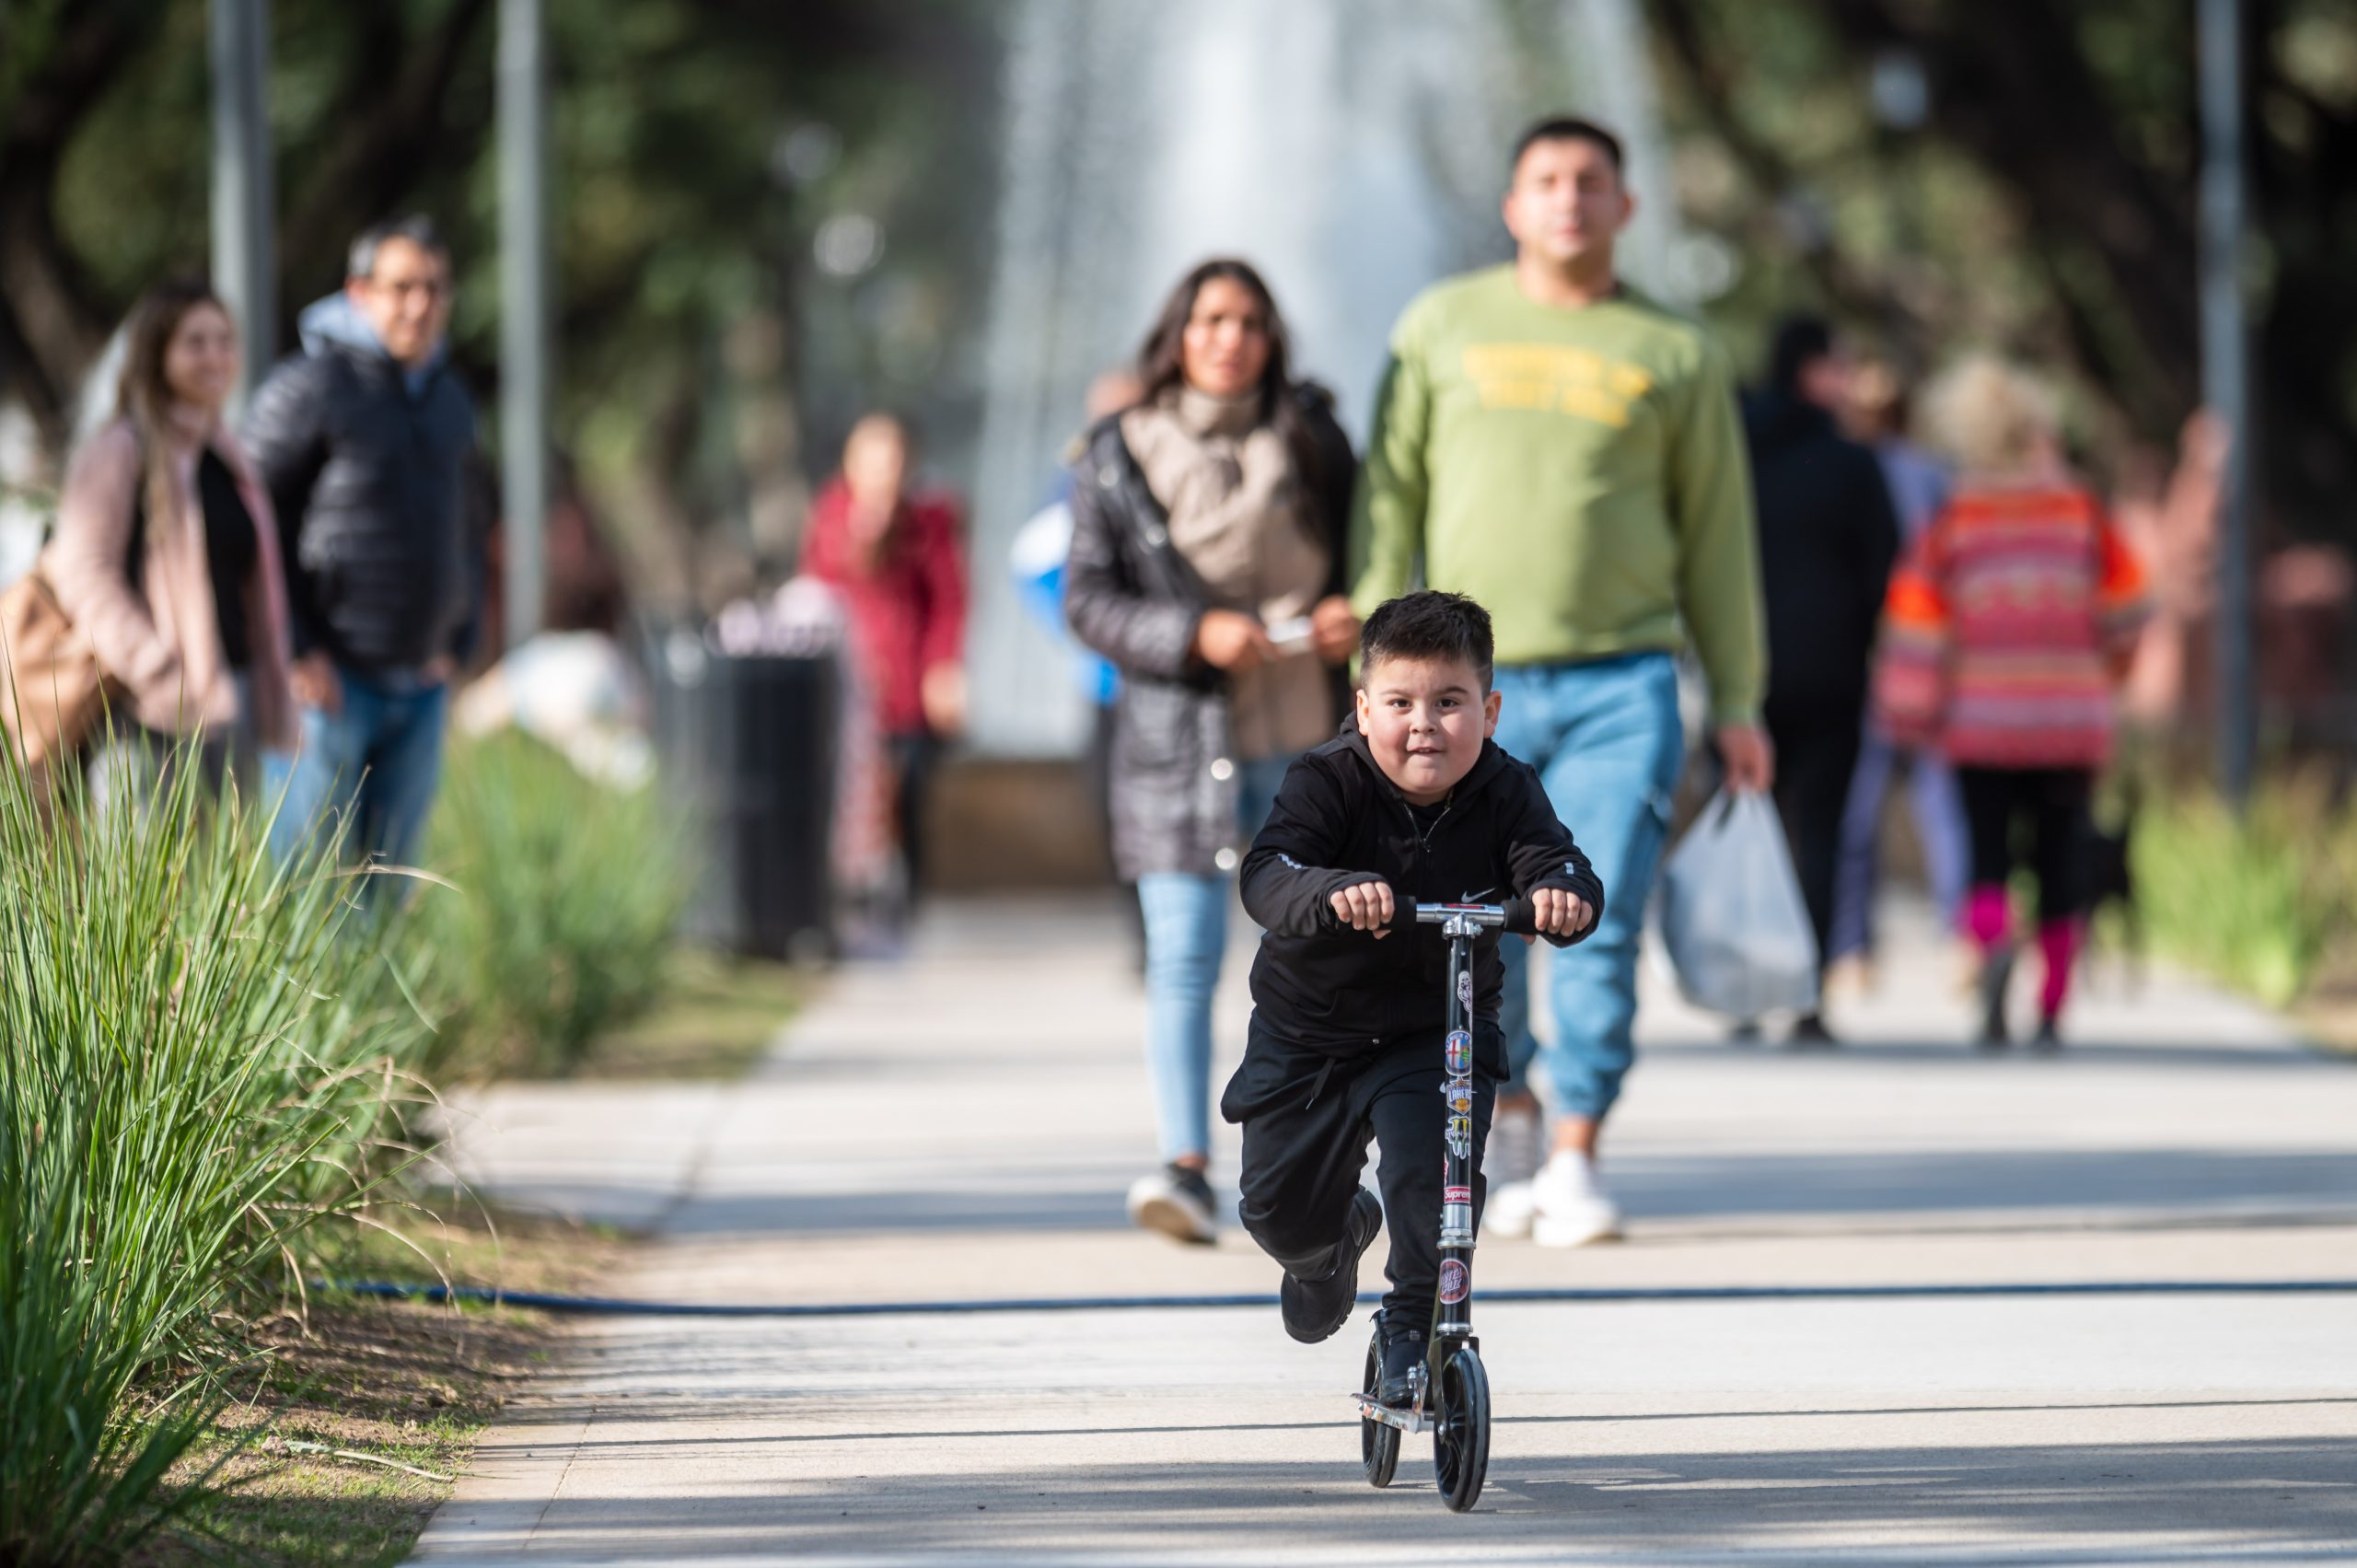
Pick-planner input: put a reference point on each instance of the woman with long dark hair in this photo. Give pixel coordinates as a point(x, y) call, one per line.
point(1208, 526)
point(166, 556)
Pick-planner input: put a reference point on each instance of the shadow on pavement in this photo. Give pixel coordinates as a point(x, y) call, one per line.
point(2081, 1054)
point(2278, 1499)
point(2182, 1184)
point(576, 1411)
point(1894, 1182)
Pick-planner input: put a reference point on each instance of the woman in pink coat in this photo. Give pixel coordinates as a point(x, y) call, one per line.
point(166, 556)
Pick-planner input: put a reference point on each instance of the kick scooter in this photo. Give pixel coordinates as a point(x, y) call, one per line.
point(1452, 1398)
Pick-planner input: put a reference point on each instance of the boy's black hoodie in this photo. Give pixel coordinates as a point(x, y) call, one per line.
point(1338, 820)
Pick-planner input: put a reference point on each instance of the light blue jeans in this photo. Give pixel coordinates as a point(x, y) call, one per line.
point(1605, 738)
point(376, 762)
point(1186, 937)
point(1940, 830)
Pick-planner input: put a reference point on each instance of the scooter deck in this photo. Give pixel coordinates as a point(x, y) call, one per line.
point(1370, 1409)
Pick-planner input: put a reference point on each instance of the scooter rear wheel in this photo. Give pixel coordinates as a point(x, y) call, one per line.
point(1461, 1440)
point(1378, 1443)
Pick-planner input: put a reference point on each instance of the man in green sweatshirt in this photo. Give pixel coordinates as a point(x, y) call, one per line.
point(1568, 453)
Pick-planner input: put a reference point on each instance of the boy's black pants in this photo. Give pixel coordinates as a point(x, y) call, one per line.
point(1307, 1118)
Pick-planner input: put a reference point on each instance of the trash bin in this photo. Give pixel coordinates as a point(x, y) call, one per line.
point(748, 743)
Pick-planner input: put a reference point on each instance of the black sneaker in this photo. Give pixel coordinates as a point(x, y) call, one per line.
point(2049, 1036)
point(1996, 976)
point(1315, 1308)
point(1403, 1352)
point(1809, 1033)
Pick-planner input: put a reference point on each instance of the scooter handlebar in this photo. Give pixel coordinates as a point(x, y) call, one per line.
point(1515, 916)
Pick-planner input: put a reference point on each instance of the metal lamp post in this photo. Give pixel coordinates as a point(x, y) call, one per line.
point(245, 262)
point(2225, 384)
point(523, 275)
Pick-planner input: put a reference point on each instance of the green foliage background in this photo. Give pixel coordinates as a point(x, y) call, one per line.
point(689, 315)
point(2045, 204)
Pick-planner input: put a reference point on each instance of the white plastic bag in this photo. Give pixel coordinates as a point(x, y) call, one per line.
point(1732, 920)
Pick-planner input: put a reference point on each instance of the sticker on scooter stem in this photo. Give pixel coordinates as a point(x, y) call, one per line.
point(1455, 1281)
point(1457, 1194)
point(1460, 1053)
point(1465, 988)
point(1460, 1136)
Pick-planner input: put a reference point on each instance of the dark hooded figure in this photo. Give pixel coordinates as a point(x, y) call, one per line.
point(1827, 538)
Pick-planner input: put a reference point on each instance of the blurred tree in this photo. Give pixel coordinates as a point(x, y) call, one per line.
point(768, 216)
point(57, 61)
point(2046, 200)
point(700, 147)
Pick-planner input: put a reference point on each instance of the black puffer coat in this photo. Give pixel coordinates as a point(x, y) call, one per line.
point(1828, 536)
point(1337, 821)
point(368, 479)
point(1130, 596)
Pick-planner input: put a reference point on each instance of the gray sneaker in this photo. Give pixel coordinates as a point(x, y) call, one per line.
point(1996, 977)
point(1177, 1202)
point(1517, 1148)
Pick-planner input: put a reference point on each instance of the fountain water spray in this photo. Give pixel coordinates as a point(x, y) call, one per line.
point(1353, 150)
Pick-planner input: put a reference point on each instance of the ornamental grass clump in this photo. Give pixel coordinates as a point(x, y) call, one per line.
point(205, 1058)
point(2258, 899)
point(564, 894)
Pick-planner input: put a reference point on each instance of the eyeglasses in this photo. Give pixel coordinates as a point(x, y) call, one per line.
point(430, 289)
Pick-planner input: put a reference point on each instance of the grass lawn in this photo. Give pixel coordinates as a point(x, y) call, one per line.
point(416, 1384)
point(408, 1383)
point(718, 1013)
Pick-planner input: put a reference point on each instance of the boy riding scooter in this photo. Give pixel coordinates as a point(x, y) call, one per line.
point(1412, 803)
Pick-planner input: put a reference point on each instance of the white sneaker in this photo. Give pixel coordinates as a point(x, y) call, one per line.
point(1571, 1205)
point(1176, 1201)
point(1509, 1211)
point(1848, 979)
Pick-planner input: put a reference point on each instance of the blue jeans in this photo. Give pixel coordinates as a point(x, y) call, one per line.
point(374, 765)
point(1186, 937)
point(1939, 827)
point(1605, 738)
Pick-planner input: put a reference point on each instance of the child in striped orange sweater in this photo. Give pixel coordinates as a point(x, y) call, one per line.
point(2005, 636)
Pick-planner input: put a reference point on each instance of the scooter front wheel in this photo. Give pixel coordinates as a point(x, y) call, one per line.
point(1461, 1440)
point(1378, 1443)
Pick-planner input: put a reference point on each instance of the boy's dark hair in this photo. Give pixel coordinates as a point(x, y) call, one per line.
point(1569, 128)
point(1428, 624)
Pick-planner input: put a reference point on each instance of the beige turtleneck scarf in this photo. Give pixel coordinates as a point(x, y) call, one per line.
point(1240, 517)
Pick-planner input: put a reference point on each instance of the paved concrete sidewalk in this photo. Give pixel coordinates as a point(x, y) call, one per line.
point(963, 1125)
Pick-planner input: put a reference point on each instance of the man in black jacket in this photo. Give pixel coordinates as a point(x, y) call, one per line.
point(1828, 536)
point(363, 440)
point(1412, 803)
